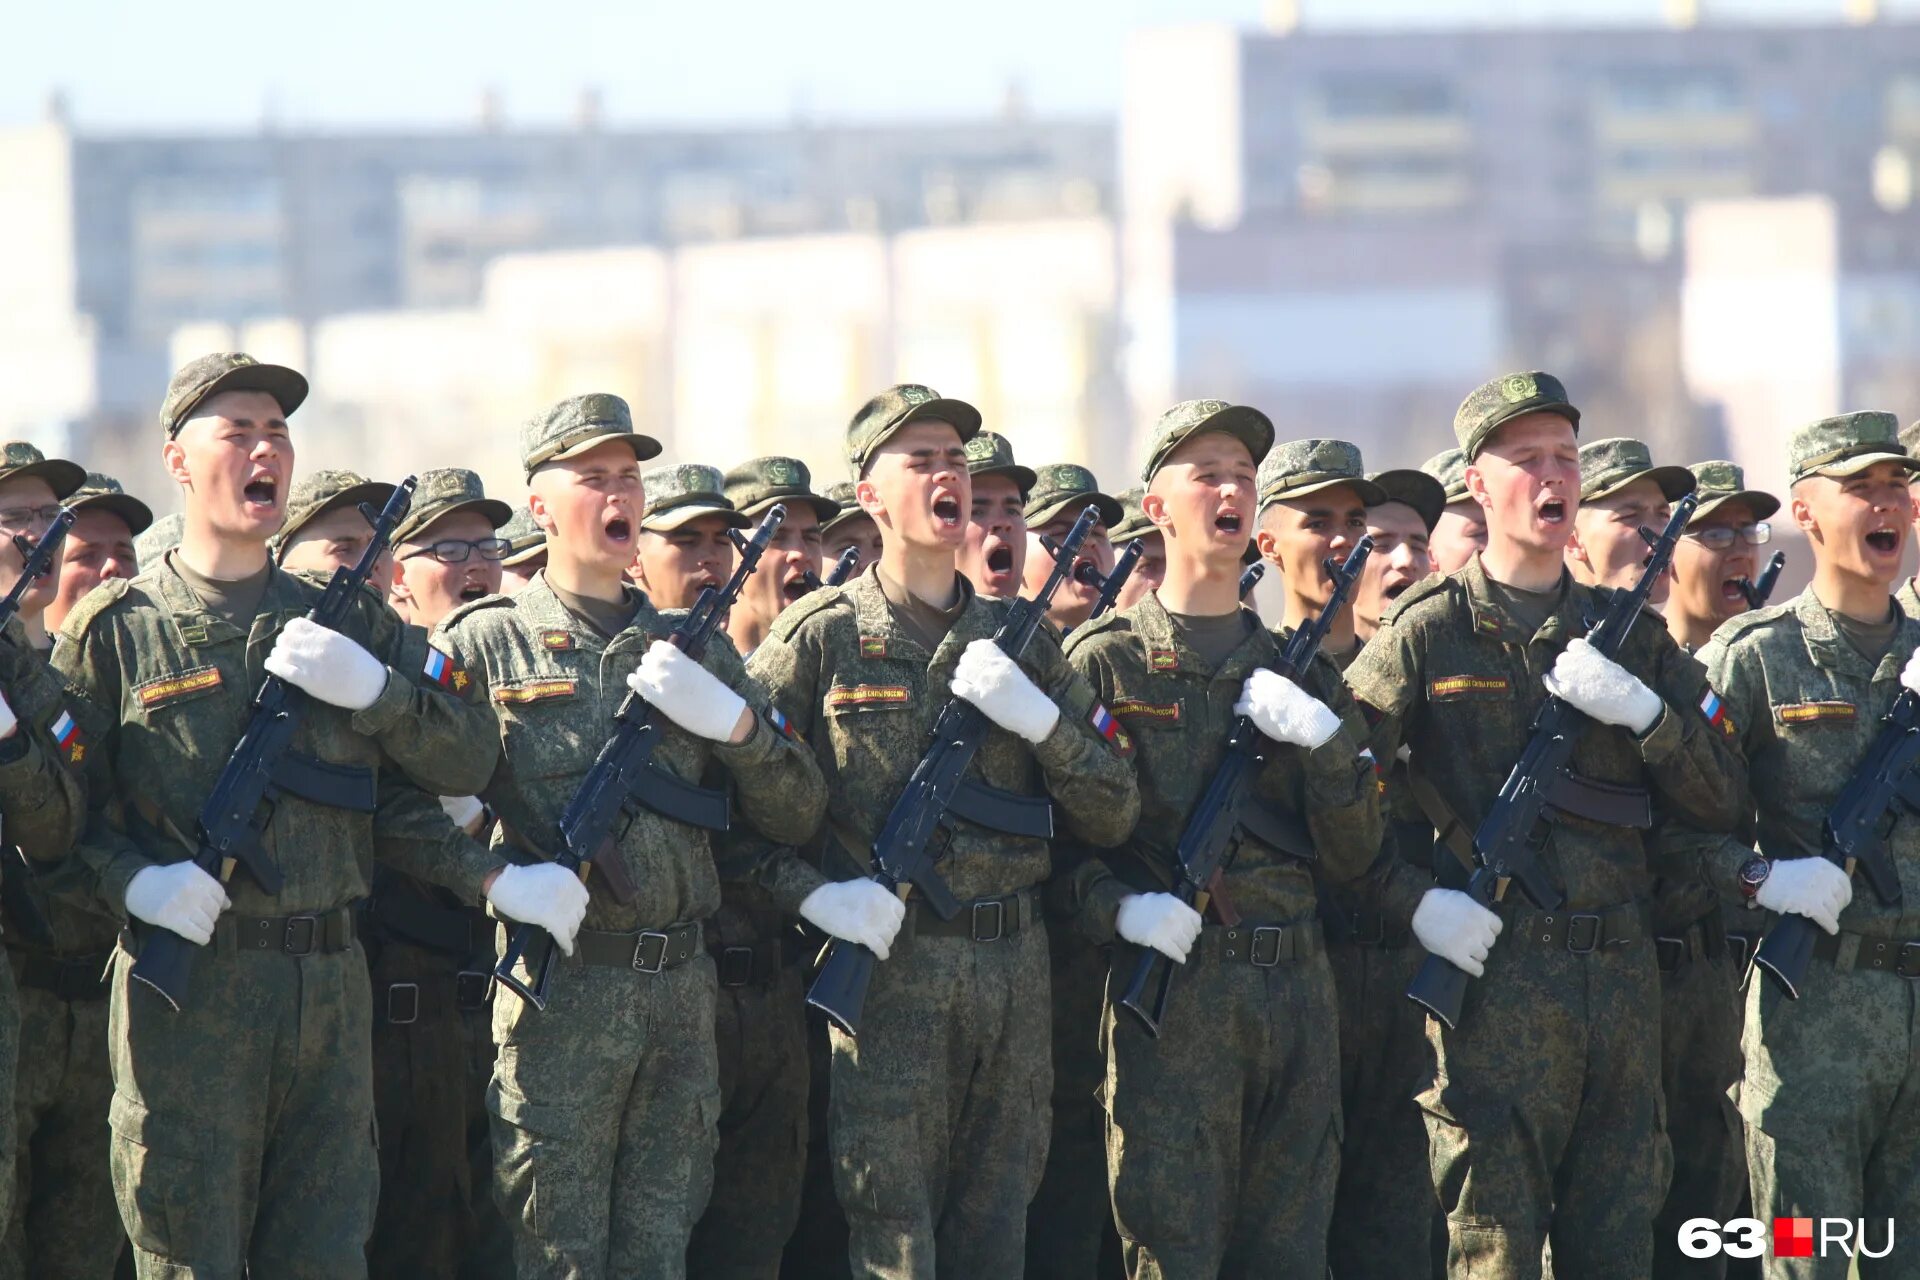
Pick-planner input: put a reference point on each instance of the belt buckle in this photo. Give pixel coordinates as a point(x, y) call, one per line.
point(471, 988)
point(736, 966)
point(999, 908)
point(1573, 931)
point(1669, 952)
point(1907, 962)
point(1377, 938)
point(411, 1003)
point(1273, 931)
point(291, 940)
point(658, 941)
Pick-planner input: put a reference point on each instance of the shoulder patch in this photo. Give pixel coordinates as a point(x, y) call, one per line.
point(475, 606)
point(805, 607)
point(1427, 588)
point(92, 605)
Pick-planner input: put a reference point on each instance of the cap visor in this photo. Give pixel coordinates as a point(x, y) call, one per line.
point(1246, 424)
point(962, 416)
point(1415, 489)
point(525, 554)
point(825, 509)
point(62, 477)
point(1763, 505)
point(1023, 477)
point(1370, 494)
point(1111, 512)
point(374, 493)
point(495, 511)
point(1861, 461)
point(135, 513)
point(674, 517)
point(287, 387)
point(644, 447)
point(1675, 483)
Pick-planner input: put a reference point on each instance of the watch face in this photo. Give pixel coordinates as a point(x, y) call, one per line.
point(1753, 872)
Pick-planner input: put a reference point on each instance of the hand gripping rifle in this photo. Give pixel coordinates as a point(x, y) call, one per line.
point(936, 794)
point(1211, 832)
point(1759, 591)
point(263, 765)
point(1508, 842)
point(624, 777)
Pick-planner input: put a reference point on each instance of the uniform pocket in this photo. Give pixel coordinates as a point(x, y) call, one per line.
point(1157, 1158)
point(168, 1195)
point(537, 1157)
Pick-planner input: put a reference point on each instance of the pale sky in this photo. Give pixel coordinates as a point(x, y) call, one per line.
point(197, 65)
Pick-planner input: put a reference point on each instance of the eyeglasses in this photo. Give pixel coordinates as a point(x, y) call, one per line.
point(25, 518)
point(456, 550)
point(1718, 537)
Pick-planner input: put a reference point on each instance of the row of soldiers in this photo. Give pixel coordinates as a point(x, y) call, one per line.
point(346, 1090)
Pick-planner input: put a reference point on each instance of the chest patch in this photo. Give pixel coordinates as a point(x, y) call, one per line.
point(1154, 712)
point(873, 646)
point(556, 641)
point(1813, 712)
point(868, 695)
point(1163, 660)
point(513, 695)
point(167, 689)
point(1460, 686)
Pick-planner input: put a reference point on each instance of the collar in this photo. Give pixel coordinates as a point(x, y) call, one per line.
point(1826, 647)
point(976, 620)
point(1166, 650)
point(1492, 620)
point(283, 600)
point(543, 614)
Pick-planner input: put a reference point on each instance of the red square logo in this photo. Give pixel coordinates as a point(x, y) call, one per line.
point(1793, 1237)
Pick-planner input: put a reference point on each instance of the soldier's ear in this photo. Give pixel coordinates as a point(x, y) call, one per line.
point(173, 457)
point(868, 496)
point(1154, 507)
point(1803, 512)
point(1477, 486)
point(537, 505)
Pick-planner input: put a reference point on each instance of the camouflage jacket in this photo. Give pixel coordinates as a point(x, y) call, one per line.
point(42, 803)
point(1451, 675)
point(1177, 711)
point(864, 695)
point(164, 688)
point(1403, 871)
point(553, 683)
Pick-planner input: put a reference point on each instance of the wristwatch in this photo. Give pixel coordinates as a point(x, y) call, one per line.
point(1753, 873)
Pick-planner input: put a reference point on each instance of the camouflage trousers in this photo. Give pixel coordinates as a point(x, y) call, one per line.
point(1385, 1192)
point(1070, 1221)
point(760, 1032)
point(488, 1252)
point(817, 1249)
point(1545, 1117)
point(604, 1109)
point(243, 1123)
point(1223, 1135)
point(1699, 1061)
point(64, 1224)
point(1831, 1098)
point(938, 1114)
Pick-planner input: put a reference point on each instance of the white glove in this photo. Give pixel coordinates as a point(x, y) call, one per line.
point(544, 894)
point(7, 721)
point(686, 692)
point(327, 665)
point(1451, 925)
point(466, 812)
point(1810, 887)
point(993, 682)
point(1284, 711)
point(856, 911)
point(177, 896)
point(1602, 688)
point(1160, 921)
point(1909, 674)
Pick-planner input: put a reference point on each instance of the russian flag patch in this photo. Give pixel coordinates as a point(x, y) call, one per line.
point(68, 738)
point(1109, 728)
point(441, 670)
point(1715, 711)
point(780, 722)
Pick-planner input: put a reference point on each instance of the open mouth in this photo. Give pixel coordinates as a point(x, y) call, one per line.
point(1734, 588)
point(1394, 589)
point(262, 491)
point(1552, 510)
point(1884, 541)
point(619, 529)
point(1000, 558)
point(946, 510)
point(793, 588)
point(1228, 522)
point(473, 591)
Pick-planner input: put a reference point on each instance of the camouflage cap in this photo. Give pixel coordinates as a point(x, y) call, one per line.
point(1194, 417)
point(1496, 403)
point(1065, 487)
point(1133, 521)
point(1297, 468)
point(683, 492)
point(1415, 489)
point(197, 381)
point(325, 491)
point(577, 424)
point(990, 454)
point(104, 493)
point(525, 539)
point(19, 459)
point(840, 492)
point(1718, 482)
point(162, 536)
point(758, 483)
point(1610, 465)
point(1846, 445)
point(880, 417)
point(1910, 437)
point(1449, 467)
point(444, 491)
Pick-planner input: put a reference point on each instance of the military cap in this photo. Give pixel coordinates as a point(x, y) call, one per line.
point(444, 491)
point(1846, 445)
point(525, 539)
point(18, 459)
point(580, 423)
point(1297, 468)
point(1608, 466)
point(162, 536)
point(1416, 489)
point(841, 493)
point(1716, 483)
point(1449, 467)
point(1133, 521)
point(990, 454)
point(1193, 417)
point(882, 416)
point(1065, 487)
point(1910, 437)
point(326, 491)
point(758, 483)
point(104, 493)
point(1494, 404)
point(199, 380)
point(683, 492)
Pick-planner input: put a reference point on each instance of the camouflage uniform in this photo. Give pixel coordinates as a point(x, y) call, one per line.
point(939, 1110)
point(160, 537)
point(1544, 1118)
point(605, 1104)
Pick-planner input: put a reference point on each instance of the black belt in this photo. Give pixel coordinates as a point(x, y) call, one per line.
point(401, 1003)
point(1741, 944)
point(1263, 946)
point(647, 951)
point(982, 920)
point(1701, 940)
point(63, 977)
point(454, 931)
point(1898, 956)
point(756, 963)
point(1363, 927)
point(328, 931)
point(1581, 932)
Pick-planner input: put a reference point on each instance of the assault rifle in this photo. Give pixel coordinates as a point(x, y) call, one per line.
point(1122, 570)
point(1758, 591)
point(841, 571)
point(36, 562)
point(1251, 577)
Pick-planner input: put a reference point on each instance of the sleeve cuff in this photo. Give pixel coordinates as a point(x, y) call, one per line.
point(1060, 748)
point(1333, 770)
point(757, 749)
point(790, 879)
point(1100, 909)
point(394, 701)
point(1663, 737)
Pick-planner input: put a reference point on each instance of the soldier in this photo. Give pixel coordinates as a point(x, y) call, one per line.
point(256, 1090)
point(684, 541)
point(1831, 1091)
point(1402, 531)
point(752, 488)
point(526, 554)
point(1223, 1135)
point(1061, 491)
point(605, 1103)
point(1151, 568)
point(1462, 528)
point(939, 1109)
point(1717, 558)
point(1543, 1118)
point(162, 536)
point(107, 519)
point(994, 556)
point(1621, 493)
point(326, 529)
point(853, 527)
point(62, 1220)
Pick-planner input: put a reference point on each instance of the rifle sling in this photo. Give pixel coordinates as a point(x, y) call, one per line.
point(1604, 802)
point(1277, 828)
point(338, 786)
point(1448, 830)
point(1000, 810)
